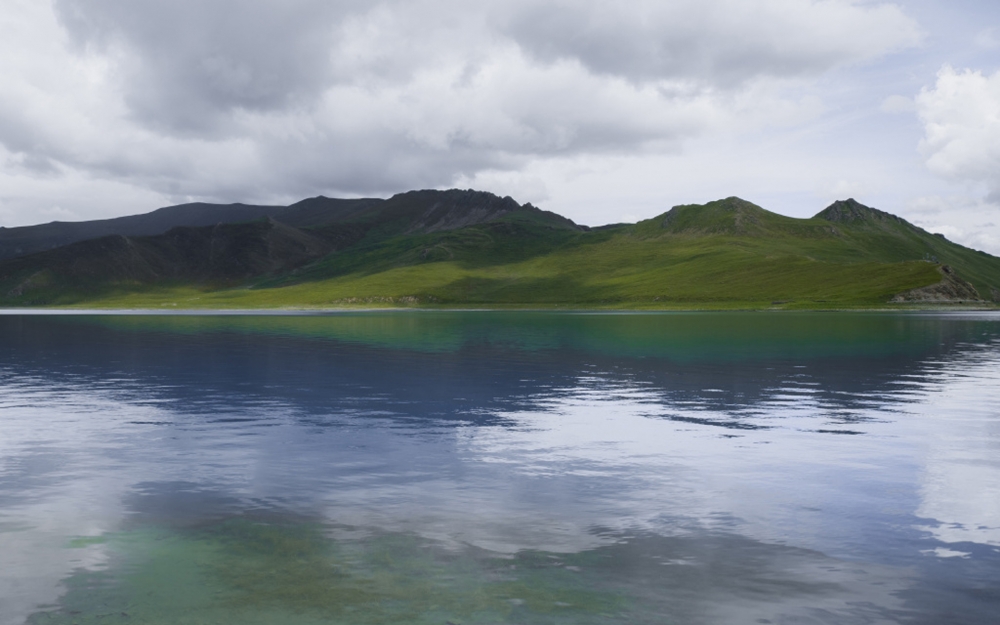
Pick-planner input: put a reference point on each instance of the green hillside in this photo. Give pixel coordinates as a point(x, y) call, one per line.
point(480, 250)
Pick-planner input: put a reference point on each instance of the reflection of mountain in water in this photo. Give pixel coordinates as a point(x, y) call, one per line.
point(474, 367)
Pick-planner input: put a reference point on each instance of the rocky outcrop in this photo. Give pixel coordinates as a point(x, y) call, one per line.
point(852, 212)
point(950, 290)
point(438, 211)
point(451, 210)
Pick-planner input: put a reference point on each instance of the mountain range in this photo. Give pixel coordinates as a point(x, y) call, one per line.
point(465, 247)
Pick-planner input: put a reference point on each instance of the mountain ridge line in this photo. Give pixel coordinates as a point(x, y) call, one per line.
point(467, 247)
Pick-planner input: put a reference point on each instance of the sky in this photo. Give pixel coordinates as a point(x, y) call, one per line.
point(601, 111)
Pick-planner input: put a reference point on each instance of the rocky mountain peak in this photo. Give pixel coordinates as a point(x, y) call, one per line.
point(852, 211)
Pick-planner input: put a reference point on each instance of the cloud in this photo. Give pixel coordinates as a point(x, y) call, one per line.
point(185, 64)
point(721, 41)
point(961, 118)
point(257, 99)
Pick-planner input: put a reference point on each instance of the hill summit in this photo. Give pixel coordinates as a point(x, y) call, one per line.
point(853, 212)
point(731, 215)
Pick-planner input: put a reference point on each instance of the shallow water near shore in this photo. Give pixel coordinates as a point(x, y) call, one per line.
point(500, 467)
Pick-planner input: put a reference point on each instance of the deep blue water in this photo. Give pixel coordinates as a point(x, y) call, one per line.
point(433, 467)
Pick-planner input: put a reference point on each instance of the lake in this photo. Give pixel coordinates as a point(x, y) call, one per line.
point(500, 467)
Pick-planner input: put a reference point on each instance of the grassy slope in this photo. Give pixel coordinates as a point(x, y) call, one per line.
point(613, 270)
point(726, 254)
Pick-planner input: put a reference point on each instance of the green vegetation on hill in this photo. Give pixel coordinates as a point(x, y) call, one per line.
point(465, 248)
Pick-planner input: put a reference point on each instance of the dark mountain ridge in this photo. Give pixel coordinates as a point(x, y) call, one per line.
point(24, 240)
point(211, 255)
point(272, 240)
point(419, 211)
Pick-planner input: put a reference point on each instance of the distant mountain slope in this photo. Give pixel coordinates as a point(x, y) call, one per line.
point(415, 211)
point(879, 235)
point(728, 253)
point(220, 254)
point(279, 239)
point(316, 211)
point(30, 239)
point(472, 248)
point(437, 211)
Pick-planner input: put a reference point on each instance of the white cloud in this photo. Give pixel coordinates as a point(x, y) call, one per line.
point(961, 117)
point(259, 99)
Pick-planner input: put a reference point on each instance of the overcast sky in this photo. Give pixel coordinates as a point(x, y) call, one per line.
point(602, 111)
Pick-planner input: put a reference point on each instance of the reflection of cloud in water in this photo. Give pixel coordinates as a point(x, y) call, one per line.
point(46, 500)
point(593, 459)
point(265, 565)
point(35, 561)
point(960, 489)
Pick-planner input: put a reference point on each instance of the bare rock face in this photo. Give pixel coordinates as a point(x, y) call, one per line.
point(950, 290)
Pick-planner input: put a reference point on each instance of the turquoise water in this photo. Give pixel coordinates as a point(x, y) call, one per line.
point(481, 467)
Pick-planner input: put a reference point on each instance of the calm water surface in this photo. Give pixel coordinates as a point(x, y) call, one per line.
point(432, 467)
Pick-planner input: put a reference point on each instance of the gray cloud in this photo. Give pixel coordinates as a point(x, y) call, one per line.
point(723, 42)
point(251, 99)
point(187, 63)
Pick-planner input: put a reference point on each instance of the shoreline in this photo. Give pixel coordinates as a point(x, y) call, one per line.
point(307, 311)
